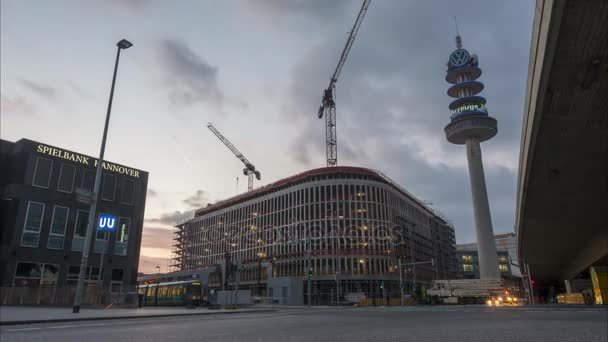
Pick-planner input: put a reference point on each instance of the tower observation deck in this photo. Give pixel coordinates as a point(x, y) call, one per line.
point(469, 125)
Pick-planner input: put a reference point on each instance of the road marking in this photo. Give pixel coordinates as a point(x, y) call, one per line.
point(23, 329)
point(62, 326)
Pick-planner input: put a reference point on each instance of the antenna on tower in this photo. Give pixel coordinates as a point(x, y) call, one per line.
point(458, 39)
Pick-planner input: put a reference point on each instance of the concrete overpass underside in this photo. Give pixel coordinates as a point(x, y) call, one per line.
point(562, 201)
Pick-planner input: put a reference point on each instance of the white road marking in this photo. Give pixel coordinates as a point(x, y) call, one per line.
point(62, 326)
point(23, 329)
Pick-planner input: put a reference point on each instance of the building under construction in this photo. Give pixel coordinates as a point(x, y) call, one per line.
point(346, 230)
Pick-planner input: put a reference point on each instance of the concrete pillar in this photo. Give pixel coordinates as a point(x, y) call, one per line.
point(568, 286)
point(488, 260)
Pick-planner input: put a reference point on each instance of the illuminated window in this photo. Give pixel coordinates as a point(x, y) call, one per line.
point(467, 258)
point(503, 268)
point(467, 267)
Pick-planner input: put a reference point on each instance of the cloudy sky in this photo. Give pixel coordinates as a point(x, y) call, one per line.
point(256, 69)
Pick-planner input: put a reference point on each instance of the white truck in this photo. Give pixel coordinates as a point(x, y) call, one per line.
point(465, 291)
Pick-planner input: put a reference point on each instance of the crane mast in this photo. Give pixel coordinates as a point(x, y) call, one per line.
point(328, 104)
point(249, 169)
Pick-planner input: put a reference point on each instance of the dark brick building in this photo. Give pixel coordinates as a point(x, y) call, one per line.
point(42, 225)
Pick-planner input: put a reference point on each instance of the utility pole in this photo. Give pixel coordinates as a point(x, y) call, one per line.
point(412, 263)
point(527, 268)
point(84, 261)
point(309, 246)
point(401, 282)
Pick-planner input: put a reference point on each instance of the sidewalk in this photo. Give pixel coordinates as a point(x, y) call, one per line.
point(11, 315)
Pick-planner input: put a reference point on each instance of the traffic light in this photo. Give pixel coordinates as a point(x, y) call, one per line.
point(533, 282)
point(381, 284)
point(309, 273)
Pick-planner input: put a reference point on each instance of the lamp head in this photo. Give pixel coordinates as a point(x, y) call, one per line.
point(124, 44)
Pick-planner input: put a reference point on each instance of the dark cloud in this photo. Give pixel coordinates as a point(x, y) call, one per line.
point(198, 200)
point(132, 4)
point(392, 103)
point(190, 78)
point(303, 10)
point(45, 91)
point(170, 219)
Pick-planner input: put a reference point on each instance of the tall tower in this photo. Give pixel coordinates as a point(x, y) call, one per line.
point(469, 125)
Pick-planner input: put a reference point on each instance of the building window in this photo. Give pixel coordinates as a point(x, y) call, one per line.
point(122, 236)
point(127, 192)
point(467, 258)
point(33, 274)
point(109, 187)
point(88, 179)
point(101, 241)
point(91, 274)
point(58, 226)
point(80, 230)
point(66, 178)
point(117, 279)
point(31, 227)
point(502, 259)
point(467, 268)
point(42, 172)
point(503, 268)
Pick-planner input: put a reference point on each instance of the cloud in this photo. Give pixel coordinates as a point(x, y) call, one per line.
point(45, 91)
point(198, 200)
point(156, 237)
point(147, 264)
point(190, 78)
point(152, 193)
point(170, 219)
point(16, 105)
point(391, 101)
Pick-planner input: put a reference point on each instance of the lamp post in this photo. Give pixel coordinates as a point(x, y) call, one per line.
point(123, 44)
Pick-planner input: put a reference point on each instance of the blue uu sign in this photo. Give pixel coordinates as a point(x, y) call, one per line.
point(106, 222)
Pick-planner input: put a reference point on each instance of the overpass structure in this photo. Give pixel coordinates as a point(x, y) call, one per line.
point(562, 199)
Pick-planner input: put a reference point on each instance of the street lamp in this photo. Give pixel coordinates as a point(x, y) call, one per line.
point(123, 44)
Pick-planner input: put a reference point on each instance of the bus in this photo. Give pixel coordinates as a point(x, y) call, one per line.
point(188, 292)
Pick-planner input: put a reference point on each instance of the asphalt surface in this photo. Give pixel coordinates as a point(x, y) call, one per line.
point(460, 323)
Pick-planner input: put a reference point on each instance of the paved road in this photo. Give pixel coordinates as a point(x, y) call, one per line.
point(418, 324)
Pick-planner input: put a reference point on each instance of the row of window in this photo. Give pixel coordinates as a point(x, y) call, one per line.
point(471, 268)
point(59, 223)
point(253, 227)
point(33, 274)
point(67, 178)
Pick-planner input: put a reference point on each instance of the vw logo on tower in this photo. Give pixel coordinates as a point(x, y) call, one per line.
point(459, 57)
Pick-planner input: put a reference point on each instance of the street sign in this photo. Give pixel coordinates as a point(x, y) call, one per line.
point(106, 222)
point(83, 195)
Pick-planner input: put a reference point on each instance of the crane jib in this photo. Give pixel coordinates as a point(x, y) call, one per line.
point(328, 103)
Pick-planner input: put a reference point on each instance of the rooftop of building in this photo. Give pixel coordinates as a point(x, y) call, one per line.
point(7, 147)
point(324, 171)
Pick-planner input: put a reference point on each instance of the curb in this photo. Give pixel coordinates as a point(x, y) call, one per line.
point(59, 320)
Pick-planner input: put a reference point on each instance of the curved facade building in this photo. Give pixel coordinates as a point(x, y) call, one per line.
point(357, 221)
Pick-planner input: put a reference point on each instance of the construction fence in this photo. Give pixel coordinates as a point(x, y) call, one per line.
point(64, 296)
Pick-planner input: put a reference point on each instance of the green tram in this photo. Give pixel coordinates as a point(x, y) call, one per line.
point(189, 292)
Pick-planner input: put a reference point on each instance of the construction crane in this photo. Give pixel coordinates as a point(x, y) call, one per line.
point(328, 104)
point(249, 169)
